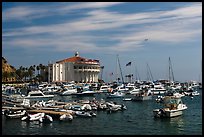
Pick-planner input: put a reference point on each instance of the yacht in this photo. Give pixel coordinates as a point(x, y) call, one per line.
point(104, 89)
point(84, 91)
point(158, 88)
point(35, 94)
point(142, 95)
point(68, 91)
point(116, 94)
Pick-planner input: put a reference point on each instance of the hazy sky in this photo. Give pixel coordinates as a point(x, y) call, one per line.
point(138, 32)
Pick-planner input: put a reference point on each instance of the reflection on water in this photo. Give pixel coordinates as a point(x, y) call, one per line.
point(178, 123)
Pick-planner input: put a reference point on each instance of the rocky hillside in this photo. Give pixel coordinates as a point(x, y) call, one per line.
point(6, 68)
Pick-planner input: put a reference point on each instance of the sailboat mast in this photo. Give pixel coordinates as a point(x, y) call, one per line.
point(149, 73)
point(120, 69)
point(170, 70)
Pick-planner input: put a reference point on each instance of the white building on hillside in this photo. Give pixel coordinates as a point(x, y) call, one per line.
point(75, 68)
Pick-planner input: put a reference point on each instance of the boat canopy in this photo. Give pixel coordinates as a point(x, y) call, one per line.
point(172, 100)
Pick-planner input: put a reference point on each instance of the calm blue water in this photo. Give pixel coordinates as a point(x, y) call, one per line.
point(136, 120)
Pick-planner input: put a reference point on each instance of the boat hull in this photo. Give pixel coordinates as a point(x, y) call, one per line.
point(141, 98)
point(168, 113)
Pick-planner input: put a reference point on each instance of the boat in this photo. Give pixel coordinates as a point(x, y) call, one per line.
point(37, 94)
point(173, 92)
point(192, 93)
point(33, 117)
point(143, 95)
point(66, 117)
point(46, 119)
point(84, 91)
point(132, 89)
point(115, 94)
point(15, 114)
point(195, 93)
point(68, 91)
point(157, 89)
point(173, 107)
point(92, 114)
point(159, 99)
point(122, 88)
point(104, 89)
point(113, 107)
point(83, 114)
point(127, 99)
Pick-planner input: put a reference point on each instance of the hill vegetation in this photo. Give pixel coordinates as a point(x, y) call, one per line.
point(8, 71)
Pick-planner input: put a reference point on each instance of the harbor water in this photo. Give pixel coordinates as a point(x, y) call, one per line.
point(138, 119)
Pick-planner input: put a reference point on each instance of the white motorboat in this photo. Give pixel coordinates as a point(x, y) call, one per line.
point(84, 91)
point(127, 99)
point(132, 89)
point(66, 117)
point(33, 117)
point(158, 89)
point(46, 119)
point(143, 95)
point(104, 89)
point(37, 94)
point(82, 114)
point(113, 107)
point(173, 107)
point(195, 93)
point(68, 91)
point(115, 94)
point(14, 114)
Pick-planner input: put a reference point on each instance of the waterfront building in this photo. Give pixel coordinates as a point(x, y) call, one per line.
point(75, 68)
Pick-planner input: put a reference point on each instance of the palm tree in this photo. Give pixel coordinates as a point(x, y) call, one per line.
point(30, 72)
point(34, 69)
point(102, 67)
point(38, 68)
point(43, 67)
point(19, 73)
point(25, 73)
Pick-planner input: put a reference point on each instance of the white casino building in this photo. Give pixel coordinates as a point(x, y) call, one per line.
point(75, 68)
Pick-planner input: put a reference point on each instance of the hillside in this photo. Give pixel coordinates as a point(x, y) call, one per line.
point(7, 68)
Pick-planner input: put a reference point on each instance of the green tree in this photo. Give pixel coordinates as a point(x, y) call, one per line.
point(30, 72)
point(38, 69)
point(5, 76)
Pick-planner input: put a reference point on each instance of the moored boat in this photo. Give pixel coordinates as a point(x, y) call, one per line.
point(46, 119)
point(115, 94)
point(15, 114)
point(66, 117)
point(33, 117)
point(83, 114)
point(173, 107)
point(143, 95)
point(37, 94)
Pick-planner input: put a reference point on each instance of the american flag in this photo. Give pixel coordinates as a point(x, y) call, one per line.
point(128, 64)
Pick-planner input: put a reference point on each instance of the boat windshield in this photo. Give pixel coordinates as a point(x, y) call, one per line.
point(172, 100)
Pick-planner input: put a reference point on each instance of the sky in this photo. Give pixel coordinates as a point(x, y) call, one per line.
point(146, 34)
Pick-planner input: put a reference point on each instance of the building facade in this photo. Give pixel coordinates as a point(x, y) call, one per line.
point(76, 68)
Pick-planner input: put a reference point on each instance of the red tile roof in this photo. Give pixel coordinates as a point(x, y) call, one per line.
point(78, 59)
